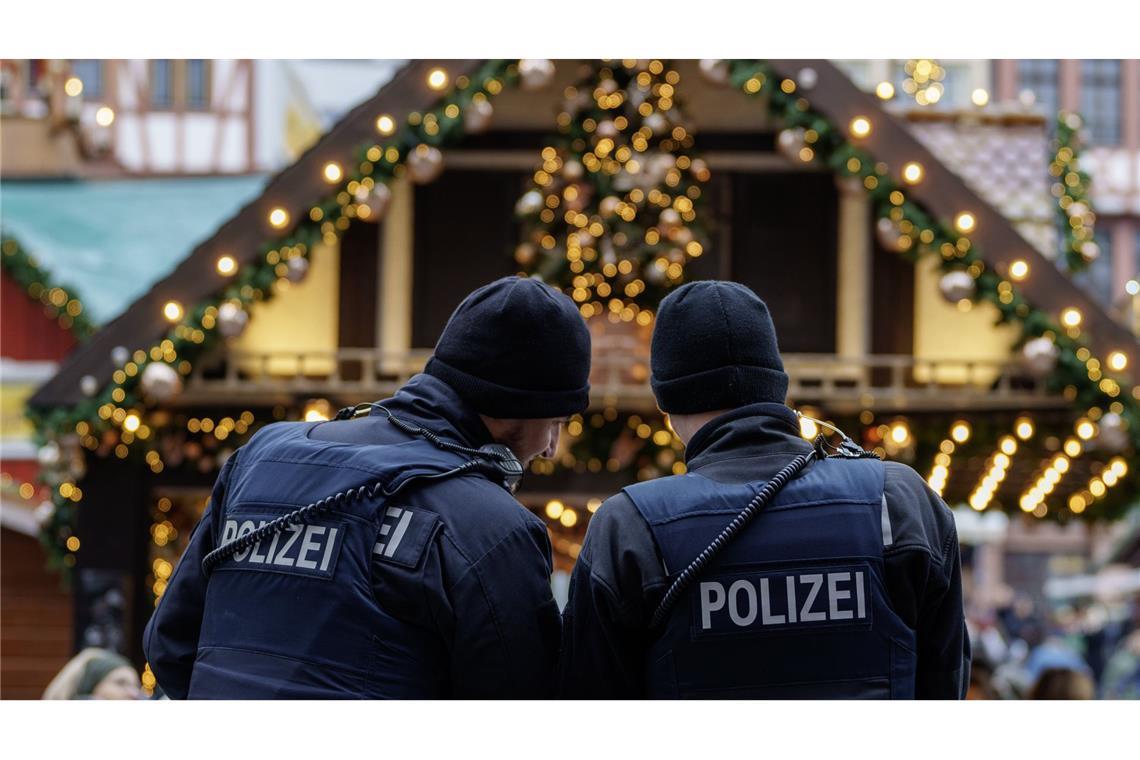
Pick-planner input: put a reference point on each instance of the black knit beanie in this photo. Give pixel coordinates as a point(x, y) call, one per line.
point(516, 349)
point(714, 347)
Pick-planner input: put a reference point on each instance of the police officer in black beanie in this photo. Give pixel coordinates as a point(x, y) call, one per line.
point(421, 576)
point(847, 584)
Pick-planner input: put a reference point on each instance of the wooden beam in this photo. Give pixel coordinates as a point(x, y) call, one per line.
point(295, 189)
point(945, 194)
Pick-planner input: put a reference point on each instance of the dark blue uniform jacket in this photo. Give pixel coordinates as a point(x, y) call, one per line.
point(621, 573)
point(459, 597)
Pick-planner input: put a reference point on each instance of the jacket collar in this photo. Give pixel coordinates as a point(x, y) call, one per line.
point(753, 430)
point(432, 403)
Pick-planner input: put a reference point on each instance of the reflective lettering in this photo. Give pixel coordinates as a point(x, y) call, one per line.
point(328, 548)
point(806, 615)
point(733, 611)
point(791, 598)
point(712, 599)
point(308, 545)
point(281, 559)
point(767, 618)
point(859, 595)
point(229, 531)
point(245, 529)
point(254, 556)
point(834, 595)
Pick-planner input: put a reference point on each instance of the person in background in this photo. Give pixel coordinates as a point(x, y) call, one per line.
point(1062, 683)
point(95, 674)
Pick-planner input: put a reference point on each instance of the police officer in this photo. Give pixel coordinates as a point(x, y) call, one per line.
point(416, 574)
point(846, 585)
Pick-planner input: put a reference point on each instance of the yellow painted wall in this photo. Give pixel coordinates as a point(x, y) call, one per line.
point(943, 331)
point(301, 318)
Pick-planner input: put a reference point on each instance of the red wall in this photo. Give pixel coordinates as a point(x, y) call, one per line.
point(26, 332)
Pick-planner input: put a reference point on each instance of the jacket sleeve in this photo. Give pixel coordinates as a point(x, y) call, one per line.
point(506, 634)
point(170, 640)
point(615, 584)
point(924, 573)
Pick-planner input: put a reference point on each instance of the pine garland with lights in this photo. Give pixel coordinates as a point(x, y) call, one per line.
point(114, 416)
point(61, 302)
point(612, 214)
point(1075, 217)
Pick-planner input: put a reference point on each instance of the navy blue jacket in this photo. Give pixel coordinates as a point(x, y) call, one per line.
point(620, 576)
point(476, 613)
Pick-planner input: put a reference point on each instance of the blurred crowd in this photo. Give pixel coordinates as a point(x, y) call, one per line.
point(1029, 649)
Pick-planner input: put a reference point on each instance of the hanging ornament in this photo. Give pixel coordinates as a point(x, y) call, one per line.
point(1113, 435)
point(531, 202)
point(714, 70)
point(536, 73)
point(656, 122)
point(1040, 356)
point(477, 116)
point(807, 78)
point(790, 142)
point(425, 163)
point(48, 455)
point(525, 254)
point(160, 382)
point(232, 319)
point(379, 199)
point(888, 234)
point(120, 355)
point(1089, 251)
point(608, 205)
point(573, 170)
point(608, 129)
point(670, 218)
point(296, 269)
point(88, 385)
point(957, 285)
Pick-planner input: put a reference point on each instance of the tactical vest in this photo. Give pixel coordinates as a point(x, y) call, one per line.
point(795, 606)
point(297, 618)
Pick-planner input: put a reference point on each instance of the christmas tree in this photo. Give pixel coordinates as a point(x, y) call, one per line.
point(611, 217)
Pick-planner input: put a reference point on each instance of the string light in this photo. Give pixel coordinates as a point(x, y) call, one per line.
point(73, 87)
point(960, 432)
point(278, 217)
point(332, 172)
point(1071, 317)
point(437, 79)
point(999, 463)
point(172, 311)
point(964, 222)
point(912, 173)
point(860, 127)
point(105, 116)
point(1085, 429)
point(980, 97)
point(554, 509)
point(385, 124)
point(1117, 361)
point(131, 422)
point(885, 90)
point(1023, 427)
point(226, 265)
point(1018, 270)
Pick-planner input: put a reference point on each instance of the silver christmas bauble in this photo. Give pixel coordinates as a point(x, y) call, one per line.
point(88, 385)
point(160, 382)
point(790, 142)
point(120, 355)
point(477, 116)
point(887, 233)
point(656, 122)
point(670, 218)
point(1113, 435)
point(608, 129)
point(957, 285)
point(48, 455)
point(379, 200)
point(425, 163)
point(807, 78)
point(297, 267)
point(531, 202)
point(573, 170)
point(1040, 356)
point(1090, 251)
point(608, 205)
point(536, 73)
point(714, 70)
point(232, 319)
